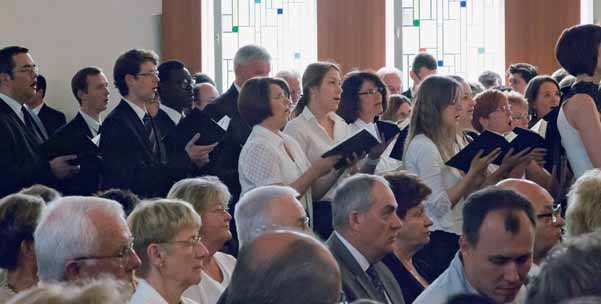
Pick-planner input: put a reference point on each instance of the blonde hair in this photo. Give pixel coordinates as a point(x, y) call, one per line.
point(434, 95)
point(202, 192)
point(584, 203)
point(103, 291)
point(159, 221)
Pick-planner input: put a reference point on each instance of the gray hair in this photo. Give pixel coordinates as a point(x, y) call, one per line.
point(288, 74)
point(66, 231)
point(490, 79)
point(383, 71)
point(249, 213)
point(250, 52)
point(584, 201)
point(353, 194)
point(571, 270)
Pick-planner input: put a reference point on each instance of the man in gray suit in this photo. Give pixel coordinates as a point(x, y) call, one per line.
point(365, 228)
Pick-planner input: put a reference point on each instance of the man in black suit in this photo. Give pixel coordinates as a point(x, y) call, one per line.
point(51, 118)
point(365, 229)
point(249, 61)
point(132, 152)
point(21, 161)
point(423, 65)
point(91, 90)
point(176, 91)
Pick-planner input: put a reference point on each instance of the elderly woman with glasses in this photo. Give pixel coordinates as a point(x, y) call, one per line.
point(167, 238)
point(210, 198)
point(18, 219)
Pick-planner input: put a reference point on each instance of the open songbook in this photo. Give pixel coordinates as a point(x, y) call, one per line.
point(359, 143)
point(519, 140)
point(67, 143)
point(195, 122)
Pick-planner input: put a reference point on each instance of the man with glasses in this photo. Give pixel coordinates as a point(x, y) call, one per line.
point(21, 136)
point(549, 224)
point(176, 91)
point(266, 208)
point(80, 238)
point(130, 144)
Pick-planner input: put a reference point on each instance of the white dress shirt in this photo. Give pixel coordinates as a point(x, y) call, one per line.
point(146, 294)
point(173, 114)
point(37, 109)
point(92, 123)
point(208, 290)
point(140, 112)
point(264, 160)
point(315, 141)
point(424, 160)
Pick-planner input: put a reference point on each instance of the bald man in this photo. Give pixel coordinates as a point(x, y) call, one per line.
point(265, 274)
point(204, 94)
point(549, 220)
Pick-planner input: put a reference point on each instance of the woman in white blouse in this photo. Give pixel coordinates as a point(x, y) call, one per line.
point(430, 143)
point(167, 239)
point(210, 198)
point(270, 157)
point(578, 122)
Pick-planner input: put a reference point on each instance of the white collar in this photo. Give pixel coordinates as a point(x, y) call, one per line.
point(37, 109)
point(359, 257)
point(237, 87)
point(139, 111)
point(91, 122)
point(277, 139)
point(13, 104)
point(173, 114)
point(370, 127)
point(308, 115)
point(148, 294)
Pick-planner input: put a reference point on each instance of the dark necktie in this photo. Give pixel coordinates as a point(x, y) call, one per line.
point(153, 138)
point(375, 279)
point(31, 126)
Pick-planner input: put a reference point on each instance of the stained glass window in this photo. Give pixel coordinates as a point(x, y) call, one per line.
point(286, 28)
point(465, 36)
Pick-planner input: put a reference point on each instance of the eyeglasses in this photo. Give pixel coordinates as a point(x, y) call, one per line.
point(28, 69)
point(372, 92)
point(149, 74)
point(195, 241)
point(123, 255)
point(554, 214)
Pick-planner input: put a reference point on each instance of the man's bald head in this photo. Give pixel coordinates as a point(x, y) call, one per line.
point(204, 94)
point(271, 268)
point(538, 196)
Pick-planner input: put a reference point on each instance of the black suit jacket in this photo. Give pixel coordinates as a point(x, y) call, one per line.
point(88, 180)
point(407, 94)
point(356, 284)
point(51, 118)
point(21, 161)
point(127, 153)
point(224, 159)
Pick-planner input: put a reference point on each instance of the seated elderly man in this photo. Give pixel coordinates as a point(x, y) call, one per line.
point(548, 227)
point(268, 207)
point(19, 215)
point(572, 270)
point(365, 229)
point(392, 78)
point(293, 80)
point(80, 238)
point(495, 250)
point(284, 266)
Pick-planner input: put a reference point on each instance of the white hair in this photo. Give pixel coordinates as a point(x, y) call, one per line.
point(353, 194)
point(249, 213)
point(383, 71)
point(288, 74)
point(250, 52)
point(66, 231)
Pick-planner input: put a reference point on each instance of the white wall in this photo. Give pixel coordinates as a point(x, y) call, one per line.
point(64, 36)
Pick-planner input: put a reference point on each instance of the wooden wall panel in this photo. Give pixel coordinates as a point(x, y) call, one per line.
point(351, 32)
point(181, 32)
point(532, 28)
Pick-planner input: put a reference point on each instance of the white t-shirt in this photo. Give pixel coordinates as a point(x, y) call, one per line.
point(208, 290)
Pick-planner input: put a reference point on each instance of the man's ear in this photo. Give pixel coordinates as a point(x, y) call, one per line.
point(72, 271)
point(464, 246)
point(28, 249)
point(80, 94)
point(129, 79)
point(355, 220)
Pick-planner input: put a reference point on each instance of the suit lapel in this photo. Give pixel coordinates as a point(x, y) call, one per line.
point(132, 121)
point(18, 122)
point(80, 123)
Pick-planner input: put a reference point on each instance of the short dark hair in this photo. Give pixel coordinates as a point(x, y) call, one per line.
point(490, 79)
point(277, 280)
point(7, 64)
point(79, 82)
point(254, 103)
point(41, 84)
point(532, 91)
point(423, 60)
point(577, 48)
point(571, 270)
point(479, 204)
point(129, 64)
point(408, 191)
point(349, 107)
point(560, 74)
point(166, 67)
point(125, 197)
point(202, 78)
point(526, 70)
point(19, 215)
